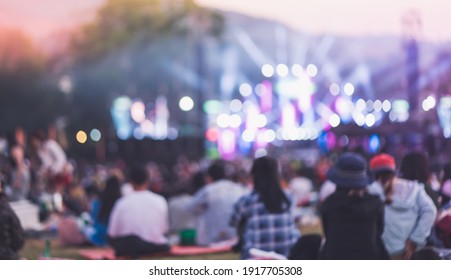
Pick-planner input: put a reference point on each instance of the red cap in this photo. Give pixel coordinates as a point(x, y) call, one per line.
point(383, 162)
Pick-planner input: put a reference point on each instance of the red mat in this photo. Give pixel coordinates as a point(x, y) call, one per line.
point(108, 253)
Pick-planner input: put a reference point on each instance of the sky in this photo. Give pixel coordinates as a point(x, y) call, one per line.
point(344, 17)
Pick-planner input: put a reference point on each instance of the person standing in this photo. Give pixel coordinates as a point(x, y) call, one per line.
point(139, 220)
point(409, 212)
point(353, 220)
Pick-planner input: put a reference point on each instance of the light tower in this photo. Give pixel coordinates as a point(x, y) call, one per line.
point(412, 26)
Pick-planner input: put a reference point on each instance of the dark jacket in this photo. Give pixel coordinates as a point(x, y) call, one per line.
point(353, 227)
point(11, 232)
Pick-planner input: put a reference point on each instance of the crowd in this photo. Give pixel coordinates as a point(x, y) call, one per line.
point(370, 208)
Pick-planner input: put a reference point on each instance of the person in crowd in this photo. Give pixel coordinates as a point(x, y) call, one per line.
point(139, 221)
point(263, 218)
point(54, 165)
point(179, 218)
point(101, 210)
point(415, 167)
point(353, 220)
point(212, 203)
point(409, 211)
point(445, 188)
point(19, 173)
point(301, 188)
point(12, 236)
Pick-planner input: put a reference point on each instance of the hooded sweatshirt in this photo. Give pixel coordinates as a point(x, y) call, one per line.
point(410, 216)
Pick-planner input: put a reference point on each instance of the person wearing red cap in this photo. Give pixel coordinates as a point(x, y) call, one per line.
point(409, 211)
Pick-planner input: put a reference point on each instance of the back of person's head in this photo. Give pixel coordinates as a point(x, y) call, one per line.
point(349, 173)
point(197, 182)
point(266, 178)
point(39, 135)
point(446, 172)
point(138, 176)
point(383, 167)
point(108, 198)
point(415, 167)
point(216, 171)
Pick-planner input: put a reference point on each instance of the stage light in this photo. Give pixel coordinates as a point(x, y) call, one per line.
point(213, 107)
point(138, 133)
point(212, 134)
point(359, 118)
point(81, 137)
point(137, 111)
point(377, 106)
point(245, 89)
point(261, 153)
point(95, 135)
point(147, 127)
point(360, 105)
point(261, 121)
point(349, 89)
point(334, 120)
point(282, 70)
point(186, 103)
point(248, 136)
point(374, 143)
point(369, 105)
point(223, 120)
point(267, 70)
point(235, 121)
point(370, 120)
point(334, 89)
point(429, 103)
point(235, 106)
point(297, 70)
point(386, 106)
point(312, 70)
point(269, 136)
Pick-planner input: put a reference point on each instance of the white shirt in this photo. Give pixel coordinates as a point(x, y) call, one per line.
point(53, 157)
point(213, 206)
point(140, 213)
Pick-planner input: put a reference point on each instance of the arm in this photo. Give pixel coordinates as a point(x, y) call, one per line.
point(114, 222)
point(237, 218)
point(199, 203)
point(425, 220)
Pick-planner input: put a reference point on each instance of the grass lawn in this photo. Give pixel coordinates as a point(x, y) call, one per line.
point(34, 248)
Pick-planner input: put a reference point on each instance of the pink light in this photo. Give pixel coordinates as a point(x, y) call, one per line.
point(266, 97)
point(227, 144)
point(251, 118)
point(261, 139)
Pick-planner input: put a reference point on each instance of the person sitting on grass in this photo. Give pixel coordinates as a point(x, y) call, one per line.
point(139, 220)
point(263, 218)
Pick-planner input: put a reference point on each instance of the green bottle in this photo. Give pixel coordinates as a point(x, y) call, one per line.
point(46, 253)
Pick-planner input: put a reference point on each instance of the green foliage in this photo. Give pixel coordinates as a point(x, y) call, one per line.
point(120, 22)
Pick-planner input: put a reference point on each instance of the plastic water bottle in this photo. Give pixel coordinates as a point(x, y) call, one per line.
point(46, 253)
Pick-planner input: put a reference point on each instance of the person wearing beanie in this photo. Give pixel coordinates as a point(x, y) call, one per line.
point(353, 220)
point(409, 211)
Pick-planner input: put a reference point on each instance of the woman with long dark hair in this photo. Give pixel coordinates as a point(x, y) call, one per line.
point(101, 211)
point(263, 218)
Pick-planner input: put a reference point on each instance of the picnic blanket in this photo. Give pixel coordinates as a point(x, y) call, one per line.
point(108, 253)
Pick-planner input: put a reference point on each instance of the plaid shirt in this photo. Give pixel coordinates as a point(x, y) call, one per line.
point(261, 229)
